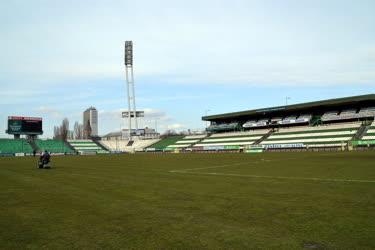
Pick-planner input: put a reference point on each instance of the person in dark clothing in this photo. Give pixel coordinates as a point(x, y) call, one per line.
point(34, 152)
point(44, 159)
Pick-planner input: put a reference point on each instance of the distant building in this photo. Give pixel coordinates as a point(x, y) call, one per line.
point(90, 122)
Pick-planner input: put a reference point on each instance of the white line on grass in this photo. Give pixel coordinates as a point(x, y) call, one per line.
point(226, 165)
point(218, 166)
point(278, 177)
point(188, 171)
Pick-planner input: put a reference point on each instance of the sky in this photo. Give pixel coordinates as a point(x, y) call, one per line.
point(191, 58)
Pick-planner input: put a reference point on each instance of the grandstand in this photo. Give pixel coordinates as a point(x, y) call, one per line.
point(186, 141)
point(164, 143)
point(370, 133)
point(86, 147)
point(123, 145)
point(321, 124)
point(333, 135)
point(10, 146)
point(331, 123)
point(335, 123)
point(114, 145)
point(216, 127)
point(231, 140)
point(53, 146)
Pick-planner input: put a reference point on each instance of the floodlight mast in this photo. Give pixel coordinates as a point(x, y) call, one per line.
point(130, 85)
point(134, 107)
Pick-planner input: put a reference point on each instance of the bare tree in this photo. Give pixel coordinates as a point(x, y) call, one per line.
point(169, 132)
point(62, 132)
point(81, 131)
point(70, 135)
point(78, 131)
point(56, 133)
point(64, 129)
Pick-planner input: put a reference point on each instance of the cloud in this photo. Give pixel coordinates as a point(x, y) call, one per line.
point(177, 97)
point(185, 44)
point(15, 94)
point(152, 114)
point(54, 113)
point(176, 126)
point(111, 120)
point(110, 114)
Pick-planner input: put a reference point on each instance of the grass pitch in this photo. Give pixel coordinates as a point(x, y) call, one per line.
point(146, 201)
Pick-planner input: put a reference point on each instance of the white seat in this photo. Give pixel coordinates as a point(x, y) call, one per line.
point(122, 145)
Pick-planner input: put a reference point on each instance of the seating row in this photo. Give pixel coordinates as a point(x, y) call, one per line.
point(370, 133)
point(348, 114)
point(11, 146)
point(187, 141)
point(86, 146)
point(320, 136)
point(232, 139)
point(53, 146)
point(123, 145)
point(223, 127)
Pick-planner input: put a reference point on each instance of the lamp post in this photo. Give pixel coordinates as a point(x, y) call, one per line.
point(128, 61)
point(156, 125)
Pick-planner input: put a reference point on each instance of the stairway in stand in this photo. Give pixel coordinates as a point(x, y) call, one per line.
point(264, 137)
point(33, 145)
point(361, 132)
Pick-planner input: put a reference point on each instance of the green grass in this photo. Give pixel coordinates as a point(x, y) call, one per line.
point(232, 201)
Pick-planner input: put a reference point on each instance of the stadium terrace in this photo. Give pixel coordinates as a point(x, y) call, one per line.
point(328, 124)
point(332, 110)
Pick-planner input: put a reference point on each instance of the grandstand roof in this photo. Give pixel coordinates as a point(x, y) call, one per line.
point(113, 134)
point(297, 108)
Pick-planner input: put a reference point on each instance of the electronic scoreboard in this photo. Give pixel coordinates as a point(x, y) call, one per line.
point(20, 125)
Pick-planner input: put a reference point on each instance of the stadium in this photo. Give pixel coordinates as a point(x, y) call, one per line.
point(335, 124)
point(342, 124)
point(186, 143)
point(268, 184)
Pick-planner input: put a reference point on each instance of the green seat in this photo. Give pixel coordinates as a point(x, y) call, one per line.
point(11, 146)
point(53, 146)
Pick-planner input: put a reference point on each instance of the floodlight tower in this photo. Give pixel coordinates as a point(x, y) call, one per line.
point(130, 85)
